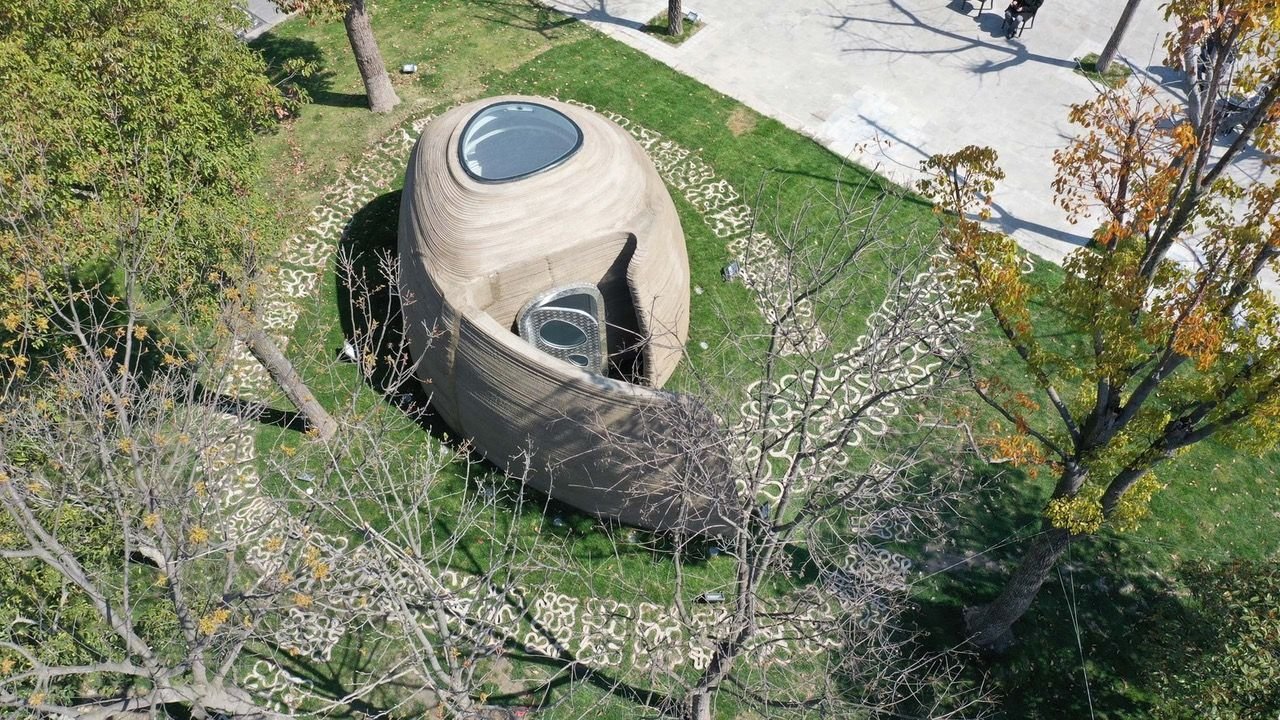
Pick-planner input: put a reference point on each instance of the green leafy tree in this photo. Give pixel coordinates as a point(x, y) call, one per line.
point(355, 17)
point(1168, 354)
point(127, 150)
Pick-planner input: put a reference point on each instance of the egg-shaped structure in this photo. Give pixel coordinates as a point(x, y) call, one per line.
point(546, 289)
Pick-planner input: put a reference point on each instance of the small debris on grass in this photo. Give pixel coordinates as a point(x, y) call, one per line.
point(731, 271)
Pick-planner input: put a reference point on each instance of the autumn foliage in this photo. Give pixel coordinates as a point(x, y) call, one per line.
point(1170, 337)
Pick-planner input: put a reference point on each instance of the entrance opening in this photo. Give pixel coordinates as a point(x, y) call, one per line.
point(568, 323)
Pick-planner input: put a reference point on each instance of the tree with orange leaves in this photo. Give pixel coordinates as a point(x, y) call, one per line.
point(1169, 353)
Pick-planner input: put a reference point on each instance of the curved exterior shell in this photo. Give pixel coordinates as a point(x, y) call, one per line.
point(482, 239)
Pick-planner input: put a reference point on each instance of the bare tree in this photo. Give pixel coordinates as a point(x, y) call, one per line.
point(110, 436)
point(152, 557)
point(245, 577)
point(797, 605)
point(826, 465)
point(831, 472)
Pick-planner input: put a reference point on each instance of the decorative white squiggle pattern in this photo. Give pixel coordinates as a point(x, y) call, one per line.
point(600, 632)
point(923, 323)
point(730, 218)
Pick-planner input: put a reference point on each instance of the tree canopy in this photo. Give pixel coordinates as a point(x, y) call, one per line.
point(1158, 353)
point(130, 155)
point(130, 124)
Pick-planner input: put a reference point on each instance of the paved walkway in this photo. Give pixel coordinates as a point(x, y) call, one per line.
point(263, 15)
point(889, 82)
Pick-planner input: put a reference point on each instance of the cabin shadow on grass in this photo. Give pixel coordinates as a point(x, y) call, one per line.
point(369, 308)
point(369, 312)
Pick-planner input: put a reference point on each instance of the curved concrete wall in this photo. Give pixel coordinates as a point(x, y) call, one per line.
point(473, 253)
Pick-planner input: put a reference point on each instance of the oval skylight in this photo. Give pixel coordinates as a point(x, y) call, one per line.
point(512, 140)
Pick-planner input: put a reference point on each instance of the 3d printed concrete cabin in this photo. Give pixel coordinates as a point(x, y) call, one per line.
point(539, 242)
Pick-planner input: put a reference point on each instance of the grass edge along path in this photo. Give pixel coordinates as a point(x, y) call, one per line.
point(695, 125)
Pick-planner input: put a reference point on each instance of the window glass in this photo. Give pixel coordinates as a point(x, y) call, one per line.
point(511, 140)
point(562, 334)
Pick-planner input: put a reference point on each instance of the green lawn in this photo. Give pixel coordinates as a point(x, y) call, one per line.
point(456, 45)
point(1218, 505)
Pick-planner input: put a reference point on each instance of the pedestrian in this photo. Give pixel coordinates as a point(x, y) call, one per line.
point(1019, 11)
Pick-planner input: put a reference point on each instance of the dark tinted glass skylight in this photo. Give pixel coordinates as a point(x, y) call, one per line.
point(511, 140)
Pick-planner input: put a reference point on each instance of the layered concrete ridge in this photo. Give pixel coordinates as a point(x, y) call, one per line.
point(600, 632)
point(483, 235)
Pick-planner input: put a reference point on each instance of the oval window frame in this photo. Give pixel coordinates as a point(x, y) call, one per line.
point(466, 130)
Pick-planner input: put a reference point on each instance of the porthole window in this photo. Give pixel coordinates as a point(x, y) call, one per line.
point(512, 140)
point(568, 323)
point(562, 334)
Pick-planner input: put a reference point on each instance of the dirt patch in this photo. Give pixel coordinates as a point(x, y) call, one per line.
point(500, 675)
point(741, 121)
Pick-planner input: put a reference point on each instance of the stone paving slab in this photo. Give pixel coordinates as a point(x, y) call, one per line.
point(887, 83)
point(263, 15)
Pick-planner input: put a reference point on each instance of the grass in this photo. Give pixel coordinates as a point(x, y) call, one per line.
point(659, 28)
point(456, 44)
point(1218, 505)
point(1115, 76)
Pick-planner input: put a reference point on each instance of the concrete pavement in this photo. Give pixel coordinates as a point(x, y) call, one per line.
point(887, 83)
point(263, 15)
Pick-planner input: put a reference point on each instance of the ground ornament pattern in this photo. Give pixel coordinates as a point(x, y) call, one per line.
point(599, 632)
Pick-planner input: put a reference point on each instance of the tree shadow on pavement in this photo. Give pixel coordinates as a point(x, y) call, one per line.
point(873, 38)
point(598, 11)
point(1010, 223)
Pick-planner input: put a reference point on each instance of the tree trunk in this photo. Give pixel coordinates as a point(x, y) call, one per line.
point(990, 626)
point(1113, 44)
point(266, 351)
point(700, 706)
point(675, 18)
point(377, 86)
